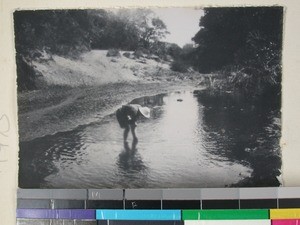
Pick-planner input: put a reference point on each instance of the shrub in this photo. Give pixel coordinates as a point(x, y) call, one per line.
point(27, 75)
point(113, 53)
point(179, 66)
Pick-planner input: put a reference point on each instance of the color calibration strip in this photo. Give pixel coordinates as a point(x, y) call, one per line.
point(277, 206)
point(105, 214)
point(276, 216)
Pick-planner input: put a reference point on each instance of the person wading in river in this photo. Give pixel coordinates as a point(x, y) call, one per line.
point(127, 117)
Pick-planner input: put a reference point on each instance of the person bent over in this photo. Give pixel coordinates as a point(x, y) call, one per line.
point(127, 117)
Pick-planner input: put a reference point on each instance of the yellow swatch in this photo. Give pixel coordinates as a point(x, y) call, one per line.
point(284, 213)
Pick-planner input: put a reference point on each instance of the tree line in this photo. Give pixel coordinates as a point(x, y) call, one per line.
point(243, 43)
point(62, 31)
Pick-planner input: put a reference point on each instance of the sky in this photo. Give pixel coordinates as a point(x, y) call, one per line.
point(182, 23)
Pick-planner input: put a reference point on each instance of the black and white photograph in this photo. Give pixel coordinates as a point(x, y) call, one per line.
point(149, 97)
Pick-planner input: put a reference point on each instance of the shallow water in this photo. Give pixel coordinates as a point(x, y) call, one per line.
point(191, 140)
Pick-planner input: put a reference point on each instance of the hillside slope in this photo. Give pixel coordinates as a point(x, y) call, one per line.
point(94, 68)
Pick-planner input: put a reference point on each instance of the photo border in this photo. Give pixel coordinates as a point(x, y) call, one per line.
point(290, 143)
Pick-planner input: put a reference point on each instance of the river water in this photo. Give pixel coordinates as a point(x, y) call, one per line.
point(191, 140)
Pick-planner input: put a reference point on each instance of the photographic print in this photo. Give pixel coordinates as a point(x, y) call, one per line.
point(149, 97)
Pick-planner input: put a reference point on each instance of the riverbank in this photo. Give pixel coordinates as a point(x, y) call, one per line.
point(57, 109)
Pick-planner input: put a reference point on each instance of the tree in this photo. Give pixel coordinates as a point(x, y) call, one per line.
point(174, 50)
point(245, 44)
point(149, 28)
point(225, 32)
point(59, 31)
point(112, 31)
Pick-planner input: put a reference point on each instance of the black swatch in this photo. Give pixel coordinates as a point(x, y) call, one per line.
point(181, 204)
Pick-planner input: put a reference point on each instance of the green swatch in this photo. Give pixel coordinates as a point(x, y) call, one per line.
point(239, 214)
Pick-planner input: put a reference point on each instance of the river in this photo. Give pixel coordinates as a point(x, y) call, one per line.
point(191, 140)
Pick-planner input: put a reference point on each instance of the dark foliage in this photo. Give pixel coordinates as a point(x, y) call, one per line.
point(56, 31)
point(226, 32)
point(179, 66)
point(110, 31)
point(26, 79)
point(113, 53)
point(183, 57)
point(244, 43)
point(67, 31)
point(174, 50)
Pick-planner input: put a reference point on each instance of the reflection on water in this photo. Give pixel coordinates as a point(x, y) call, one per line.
point(191, 140)
point(245, 131)
point(38, 158)
point(131, 165)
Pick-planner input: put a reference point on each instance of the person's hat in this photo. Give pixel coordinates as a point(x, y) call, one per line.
point(145, 111)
